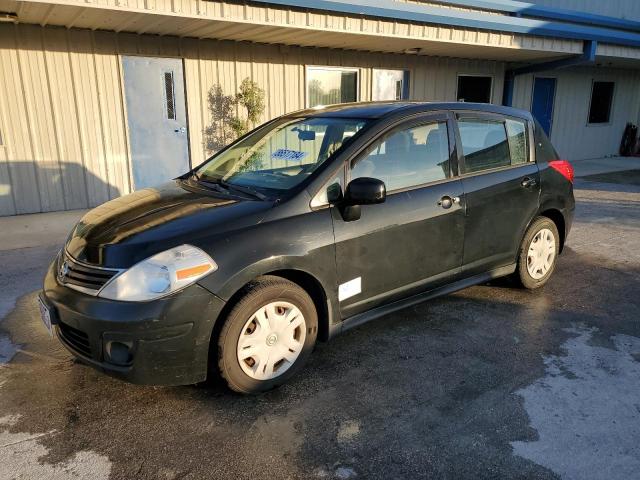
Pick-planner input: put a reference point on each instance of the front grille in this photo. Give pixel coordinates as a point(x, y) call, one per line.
point(89, 279)
point(76, 339)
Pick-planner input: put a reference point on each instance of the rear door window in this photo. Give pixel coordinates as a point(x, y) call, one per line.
point(493, 143)
point(407, 157)
point(484, 144)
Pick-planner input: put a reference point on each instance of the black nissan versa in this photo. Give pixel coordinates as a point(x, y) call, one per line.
point(311, 224)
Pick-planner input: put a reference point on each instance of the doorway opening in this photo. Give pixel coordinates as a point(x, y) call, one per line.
point(544, 92)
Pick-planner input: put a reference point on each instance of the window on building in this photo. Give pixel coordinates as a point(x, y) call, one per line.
point(474, 88)
point(169, 95)
point(390, 85)
point(518, 145)
point(601, 102)
point(407, 157)
point(484, 144)
point(329, 85)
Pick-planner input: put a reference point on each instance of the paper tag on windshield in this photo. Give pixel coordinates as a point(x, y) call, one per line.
point(292, 155)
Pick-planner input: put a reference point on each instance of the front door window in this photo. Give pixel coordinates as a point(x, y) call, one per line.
point(408, 157)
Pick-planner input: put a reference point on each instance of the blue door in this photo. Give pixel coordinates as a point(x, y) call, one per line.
point(157, 118)
point(544, 92)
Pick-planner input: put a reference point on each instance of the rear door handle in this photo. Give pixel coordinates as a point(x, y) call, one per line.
point(528, 182)
point(447, 201)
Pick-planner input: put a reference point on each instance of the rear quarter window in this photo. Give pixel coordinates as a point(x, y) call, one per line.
point(518, 144)
point(545, 152)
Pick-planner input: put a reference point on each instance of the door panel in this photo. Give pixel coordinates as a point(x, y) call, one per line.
point(399, 247)
point(410, 242)
point(157, 119)
point(544, 92)
point(499, 208)
point(501, 193)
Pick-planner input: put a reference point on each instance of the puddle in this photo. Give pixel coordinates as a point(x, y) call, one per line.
point(586, 409)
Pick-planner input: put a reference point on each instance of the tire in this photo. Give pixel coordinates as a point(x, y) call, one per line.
point(262, 343)
point(537, 263)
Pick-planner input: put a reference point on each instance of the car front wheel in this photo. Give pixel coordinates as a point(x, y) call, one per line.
point(538, 253)
point(267, 336)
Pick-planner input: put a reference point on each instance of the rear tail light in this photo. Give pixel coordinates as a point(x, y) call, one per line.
point(564, 168)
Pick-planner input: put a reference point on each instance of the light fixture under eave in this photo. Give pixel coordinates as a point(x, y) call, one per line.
point(8, 17)
point(412, 51)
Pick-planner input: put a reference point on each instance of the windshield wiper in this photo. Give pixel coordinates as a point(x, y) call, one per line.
point(225, 187)
point(244, 189)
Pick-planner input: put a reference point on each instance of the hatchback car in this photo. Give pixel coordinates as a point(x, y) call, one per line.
point(307, 226)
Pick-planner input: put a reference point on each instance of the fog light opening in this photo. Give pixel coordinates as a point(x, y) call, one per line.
point(119, 353)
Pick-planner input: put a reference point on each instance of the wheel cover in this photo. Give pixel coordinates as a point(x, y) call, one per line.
point(541, 253)
point(271, 340)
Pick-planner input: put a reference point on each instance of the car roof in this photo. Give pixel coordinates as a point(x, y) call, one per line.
point(378, 110)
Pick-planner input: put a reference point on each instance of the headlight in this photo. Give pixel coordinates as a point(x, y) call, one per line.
point(160, 275)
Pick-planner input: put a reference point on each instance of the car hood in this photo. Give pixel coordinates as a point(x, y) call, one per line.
point(133, 227)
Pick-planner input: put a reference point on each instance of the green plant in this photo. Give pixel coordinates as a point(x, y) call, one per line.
point(251, 97)
point(226, 125)
point(221, 109)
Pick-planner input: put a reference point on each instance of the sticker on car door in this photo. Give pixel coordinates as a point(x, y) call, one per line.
point(350, 289)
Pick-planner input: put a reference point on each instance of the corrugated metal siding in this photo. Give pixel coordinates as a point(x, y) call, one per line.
point(618, 51)
point(63, 118)
point(62, 124)
point(627, 9)
point(571, 135)
point(281, 72)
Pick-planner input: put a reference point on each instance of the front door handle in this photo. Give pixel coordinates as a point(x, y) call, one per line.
point(528, 182)
point(447, 202)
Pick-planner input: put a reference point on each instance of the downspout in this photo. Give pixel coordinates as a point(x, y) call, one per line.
point(588, 57)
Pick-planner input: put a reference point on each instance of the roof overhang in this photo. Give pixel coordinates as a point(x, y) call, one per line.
point(483, 20)
point(264, 23)
point(372, 25)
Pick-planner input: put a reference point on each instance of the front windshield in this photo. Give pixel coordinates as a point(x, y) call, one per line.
point(280, 155)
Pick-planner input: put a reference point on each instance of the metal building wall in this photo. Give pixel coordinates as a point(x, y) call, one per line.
point(571, 134)
point(62, 112)
point(627, 9)
point(61, 119)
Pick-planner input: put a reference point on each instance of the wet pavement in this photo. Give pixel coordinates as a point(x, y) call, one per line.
point(491, 382)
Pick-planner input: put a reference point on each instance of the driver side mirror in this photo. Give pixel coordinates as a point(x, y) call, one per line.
point(365, 191)
point(361, 191)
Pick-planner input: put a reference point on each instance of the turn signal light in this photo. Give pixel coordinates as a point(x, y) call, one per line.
point(564, 168)
point(196, 271)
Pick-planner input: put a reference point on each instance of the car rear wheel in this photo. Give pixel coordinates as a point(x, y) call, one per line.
point(538, 253)
point(267, 336)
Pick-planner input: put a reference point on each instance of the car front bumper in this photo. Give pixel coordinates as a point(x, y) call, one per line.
point(161, 342)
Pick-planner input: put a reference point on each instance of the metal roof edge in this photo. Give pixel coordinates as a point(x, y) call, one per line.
point(411, 12)
point(552, 13)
